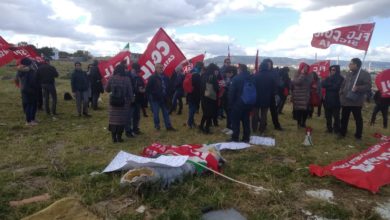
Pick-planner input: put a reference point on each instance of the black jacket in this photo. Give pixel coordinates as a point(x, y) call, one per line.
point(46, 74)
point(157, 87)
point(332, 86)
point(79, 81)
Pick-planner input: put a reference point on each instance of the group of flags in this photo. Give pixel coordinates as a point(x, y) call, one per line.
point(9, 52)
point(162, 49)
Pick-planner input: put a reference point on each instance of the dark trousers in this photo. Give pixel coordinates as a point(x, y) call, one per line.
point(259, 119)
point(301, 116)
point(95, 99)
point(332, 116)
point(49, 90)
point(30, 109)
point(380, 108)
point(192, 108)
point(281, 103)
point(274, 114)
point(130, 122)
point(177, 98)
point(136, 116)
point(357, 115)
point(240, 114)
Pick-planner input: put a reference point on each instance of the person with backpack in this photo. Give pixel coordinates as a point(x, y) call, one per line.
point(242, 97)
point(80, 88)
point(192, 86)
point(265, 86)
point(27, 81)
point(209, 91)
point(157, 91)
point(121, 93)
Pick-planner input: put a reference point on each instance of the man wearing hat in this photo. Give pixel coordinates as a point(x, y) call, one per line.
point(26, 78)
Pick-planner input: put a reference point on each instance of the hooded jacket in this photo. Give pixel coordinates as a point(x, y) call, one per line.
point(332, 86)
point(301, 88)
point(265, 85)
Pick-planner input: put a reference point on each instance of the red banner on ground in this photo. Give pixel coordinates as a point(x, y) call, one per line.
point(356, 36)
point(369, 169)
point(106, 67)
point(321, 68)
point(382, 81)
point(188, 66)
point(161, 49)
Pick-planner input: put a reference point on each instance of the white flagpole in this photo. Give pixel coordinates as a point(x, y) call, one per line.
point(360, 69)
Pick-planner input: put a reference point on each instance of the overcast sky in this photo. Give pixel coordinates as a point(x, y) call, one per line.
point(275, 27)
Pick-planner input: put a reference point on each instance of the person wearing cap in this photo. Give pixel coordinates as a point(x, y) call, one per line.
point(26, 78)
point(46, 75)
point(80, 86)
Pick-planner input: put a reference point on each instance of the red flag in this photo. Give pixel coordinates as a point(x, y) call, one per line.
point(356, 36)
point(382, 81)
point(161, 49)
point(106, 67)
point(369, 169)
point(6, 56)
point(3, 43)
point(257, 61)
point(189, 65)
point(26, 51)
point(321, 68)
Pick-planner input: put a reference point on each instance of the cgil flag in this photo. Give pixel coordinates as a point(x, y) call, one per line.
point(161, 49)
point(321, 68)
point(382, 81)
point(189, 65)
point(106, 67)
point(356, 36)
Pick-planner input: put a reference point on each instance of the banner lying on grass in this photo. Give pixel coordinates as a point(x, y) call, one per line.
point(321, 68)
point(369, 169)
point(356, 36)
point(106, 67)
point(382, 81)
point(161, 49)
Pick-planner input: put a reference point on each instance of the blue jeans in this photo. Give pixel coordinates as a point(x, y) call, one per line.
point(30, 109)
point(130, 122)
point(192, 108)
point(240, 114)
point(156, 111)
point(177, 97)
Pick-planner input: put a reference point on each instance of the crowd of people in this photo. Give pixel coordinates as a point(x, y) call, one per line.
point(232, 92)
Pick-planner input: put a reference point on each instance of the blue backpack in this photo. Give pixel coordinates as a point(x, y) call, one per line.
point(248, 95)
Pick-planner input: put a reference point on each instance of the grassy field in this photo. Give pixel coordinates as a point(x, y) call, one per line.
point(57, 157)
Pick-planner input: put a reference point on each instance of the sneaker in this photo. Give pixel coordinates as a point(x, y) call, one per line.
point(33, 123)
point(230, 132)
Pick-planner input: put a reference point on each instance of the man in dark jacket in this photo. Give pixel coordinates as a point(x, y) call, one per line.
point(179, 92)
point(139, 91)
point(352, 96)
point(193, 98)
point(95, 79)
point(240, 111)
point(46, 74)
point(265, 88)
point(332, 86)
point(157, 91)
point(272, 108)
point(80, 86)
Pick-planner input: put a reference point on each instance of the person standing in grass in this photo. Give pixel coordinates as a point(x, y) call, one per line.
point(46, 74)
point(352, 97)
point(80, 88)
point(157, 90)
point(381, 105)
point(96, 84)
point(193, 97)
point(120, 87)
point(332, 86)
point(27, 81)
point(301, 94)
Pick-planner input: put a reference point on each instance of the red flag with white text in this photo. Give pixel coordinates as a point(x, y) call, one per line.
point(106, 67)
point(321, 68)
point(356, 36)
point(188, 66)
point(3, 43)
point(6, 56)
point(26, 51)
point(161, 49)
point(369, 169)
point(382, 82)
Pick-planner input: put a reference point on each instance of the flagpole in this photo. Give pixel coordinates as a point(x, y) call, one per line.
point(360, 69)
